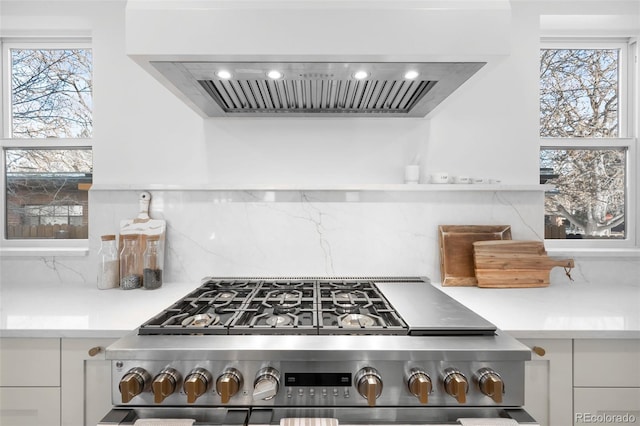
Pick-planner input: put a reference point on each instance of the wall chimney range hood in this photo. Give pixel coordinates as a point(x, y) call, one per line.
point(317, 88)
point(347, 58)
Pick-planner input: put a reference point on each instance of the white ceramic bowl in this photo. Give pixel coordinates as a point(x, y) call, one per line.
point(440, 177)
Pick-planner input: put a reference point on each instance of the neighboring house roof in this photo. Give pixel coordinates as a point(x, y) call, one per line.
point(51, 180)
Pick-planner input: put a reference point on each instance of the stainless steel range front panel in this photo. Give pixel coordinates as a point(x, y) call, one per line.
point(392, 356)
point(395, 391)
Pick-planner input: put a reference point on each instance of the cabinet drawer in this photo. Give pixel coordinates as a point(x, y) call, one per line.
point(607, 363)
point(30, 406)
point(29, 362)
point(610, 406)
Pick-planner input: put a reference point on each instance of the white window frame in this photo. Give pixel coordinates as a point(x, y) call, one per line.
point(628, 138)
point(33, 247)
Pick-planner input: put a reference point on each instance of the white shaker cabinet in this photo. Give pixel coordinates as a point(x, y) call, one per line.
point(33, 406)
point(86, 381)
point(607, 381)
point(548, 381)
point(29, 382)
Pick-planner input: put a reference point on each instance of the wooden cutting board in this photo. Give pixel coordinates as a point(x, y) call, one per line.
point(143, 226)
point(456, 250)
point(506, 264)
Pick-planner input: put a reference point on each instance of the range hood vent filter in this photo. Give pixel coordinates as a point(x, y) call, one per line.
point(316, 95)
point(316, 88)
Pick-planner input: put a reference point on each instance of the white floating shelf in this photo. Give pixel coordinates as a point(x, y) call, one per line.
point(391, 187)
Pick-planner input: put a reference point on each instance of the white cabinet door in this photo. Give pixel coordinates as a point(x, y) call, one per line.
point(607, 406)
point(548, 382)
point(29, 362)
point(607, 381)
point(607, 363)
point(30, 406)
point(86, 381)
point(29, 382)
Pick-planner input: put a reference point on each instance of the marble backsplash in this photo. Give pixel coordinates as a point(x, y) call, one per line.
point(298, 232)
point(293, 232)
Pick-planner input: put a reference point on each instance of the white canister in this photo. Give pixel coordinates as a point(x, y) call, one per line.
point(412, 173)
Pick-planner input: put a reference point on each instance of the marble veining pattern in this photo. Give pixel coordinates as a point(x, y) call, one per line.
point(297, 233)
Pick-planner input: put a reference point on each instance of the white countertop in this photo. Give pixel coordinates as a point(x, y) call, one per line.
point(562, 310)
point(31, 310)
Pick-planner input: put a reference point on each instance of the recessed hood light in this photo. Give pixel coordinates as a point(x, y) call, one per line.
point(224, 74)
point(361, 75)
point(274, 74)
point(411, 75)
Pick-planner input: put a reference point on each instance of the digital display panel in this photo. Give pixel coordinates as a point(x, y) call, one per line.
point(317, 379)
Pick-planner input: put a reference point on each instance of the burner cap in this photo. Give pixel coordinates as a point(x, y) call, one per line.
point(285, 309)
point(225, 295)
point(342, 296)
point(201, 320)
point(284, 295)
point(278, 320)
point(346, 308)
point(283, 301)
point(356, 321)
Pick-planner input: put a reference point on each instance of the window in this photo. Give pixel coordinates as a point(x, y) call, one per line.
point(47, 124)
point(579, 93)
point(46, 193)
point(45, 214)
point(51, 93)
point(585, 151)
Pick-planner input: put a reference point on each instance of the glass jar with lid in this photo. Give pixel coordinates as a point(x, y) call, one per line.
point(130, 258)
point(108, 266)
point(153, 263)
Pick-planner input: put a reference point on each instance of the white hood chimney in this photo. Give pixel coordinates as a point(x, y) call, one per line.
point(318, 46)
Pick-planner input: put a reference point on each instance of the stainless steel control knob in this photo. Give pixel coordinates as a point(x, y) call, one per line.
point(266, 384)
point(456, 384)
point(420, 385)
point(165, 384)
point(369, 384)
point(133, 383)
point(228, 384)
point(197, 383)
point(490, 384)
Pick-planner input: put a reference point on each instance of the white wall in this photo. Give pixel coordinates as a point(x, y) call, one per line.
point(151, 137)
point(144, 135)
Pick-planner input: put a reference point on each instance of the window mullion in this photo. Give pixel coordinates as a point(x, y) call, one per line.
point(587, 143)
point(5, 102)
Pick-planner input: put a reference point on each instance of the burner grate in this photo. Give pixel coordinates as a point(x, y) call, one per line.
point(280, 306)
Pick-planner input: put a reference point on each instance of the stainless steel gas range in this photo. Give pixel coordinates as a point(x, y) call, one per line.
point(360, 350)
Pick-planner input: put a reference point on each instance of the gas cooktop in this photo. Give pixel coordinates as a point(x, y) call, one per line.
point(399, 306)
point(318, 342)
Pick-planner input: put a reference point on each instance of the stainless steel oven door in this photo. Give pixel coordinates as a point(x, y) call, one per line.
point(202, 416)
point(395, 416)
